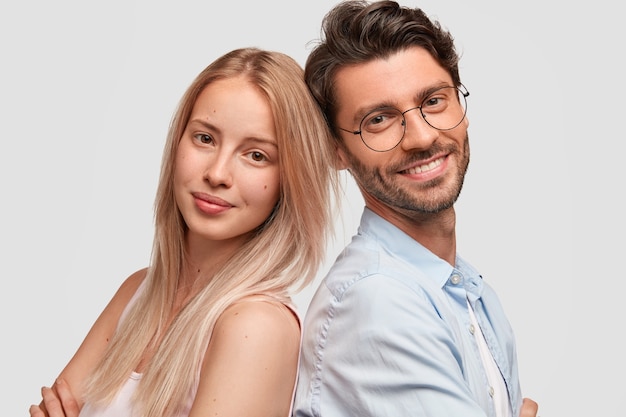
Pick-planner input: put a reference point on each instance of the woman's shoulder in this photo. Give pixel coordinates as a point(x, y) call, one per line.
point(263, 317)
point(254, 346)
point(110, 316)
point(131, 283)
point(257, 328)
point(127, 289)
point(122, 297)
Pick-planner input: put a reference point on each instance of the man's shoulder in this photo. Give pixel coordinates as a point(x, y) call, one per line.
point(364, 262)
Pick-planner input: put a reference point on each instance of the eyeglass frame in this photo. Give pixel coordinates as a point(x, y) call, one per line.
point(460, 88)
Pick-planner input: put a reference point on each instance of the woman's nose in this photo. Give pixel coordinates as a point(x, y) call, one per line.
point(218, 171)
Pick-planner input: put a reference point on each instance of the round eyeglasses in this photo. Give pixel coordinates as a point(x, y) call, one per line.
point(383, 128)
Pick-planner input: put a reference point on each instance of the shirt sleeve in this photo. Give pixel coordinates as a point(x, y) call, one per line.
point(386, 349)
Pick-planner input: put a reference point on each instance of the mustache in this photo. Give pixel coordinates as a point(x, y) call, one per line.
point(418, 156)
point(436, 148)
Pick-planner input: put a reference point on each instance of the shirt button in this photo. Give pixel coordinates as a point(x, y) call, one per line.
point(472, 329)
point(455, 279)
point(491, 391)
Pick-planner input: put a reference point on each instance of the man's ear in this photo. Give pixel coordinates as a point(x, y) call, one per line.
point(341, 162)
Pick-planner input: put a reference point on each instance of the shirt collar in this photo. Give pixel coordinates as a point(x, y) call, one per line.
point(395, 241)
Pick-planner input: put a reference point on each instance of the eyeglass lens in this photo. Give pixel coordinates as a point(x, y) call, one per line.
point(383, 129)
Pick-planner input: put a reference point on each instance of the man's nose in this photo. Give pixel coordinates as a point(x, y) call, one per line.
point(417, 133)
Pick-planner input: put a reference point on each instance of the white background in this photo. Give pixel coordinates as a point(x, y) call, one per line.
point(87, 90)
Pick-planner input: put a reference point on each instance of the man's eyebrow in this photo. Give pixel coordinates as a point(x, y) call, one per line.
point(362, 111)
point(420, 96)
point(426, 92)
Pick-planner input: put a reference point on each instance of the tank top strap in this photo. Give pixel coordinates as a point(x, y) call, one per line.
point(132, 301)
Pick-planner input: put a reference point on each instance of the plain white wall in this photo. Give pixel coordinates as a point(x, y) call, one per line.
point(86, 94)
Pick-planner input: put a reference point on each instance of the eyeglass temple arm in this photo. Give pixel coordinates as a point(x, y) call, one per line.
point(463, 90)
point(354, 132)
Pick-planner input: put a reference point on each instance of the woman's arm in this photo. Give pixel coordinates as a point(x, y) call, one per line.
point(250, 365)
point(68, 393)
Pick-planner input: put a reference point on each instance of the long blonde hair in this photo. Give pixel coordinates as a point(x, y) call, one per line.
point(282, 256)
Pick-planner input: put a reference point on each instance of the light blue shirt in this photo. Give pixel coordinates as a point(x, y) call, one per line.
point(388, 333)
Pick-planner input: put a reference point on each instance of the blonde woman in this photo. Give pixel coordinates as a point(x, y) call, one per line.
point(243, 210)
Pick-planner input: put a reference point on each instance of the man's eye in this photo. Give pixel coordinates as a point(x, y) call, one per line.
point(379, 120)
point(436, 103)
point(431, 101)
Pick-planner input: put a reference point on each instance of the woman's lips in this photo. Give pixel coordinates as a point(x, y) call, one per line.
point(210, 204)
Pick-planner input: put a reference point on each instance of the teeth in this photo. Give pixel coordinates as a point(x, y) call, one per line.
point(424, 168)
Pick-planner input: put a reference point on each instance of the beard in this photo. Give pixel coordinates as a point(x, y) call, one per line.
point(429, 197)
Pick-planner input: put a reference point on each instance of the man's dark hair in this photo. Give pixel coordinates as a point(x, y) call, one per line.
point(355, 32)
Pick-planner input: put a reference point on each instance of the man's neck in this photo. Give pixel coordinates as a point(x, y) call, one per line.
point(434, 231)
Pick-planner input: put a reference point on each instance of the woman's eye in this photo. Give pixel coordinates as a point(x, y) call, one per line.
point(204, 138)
point(257, 156)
